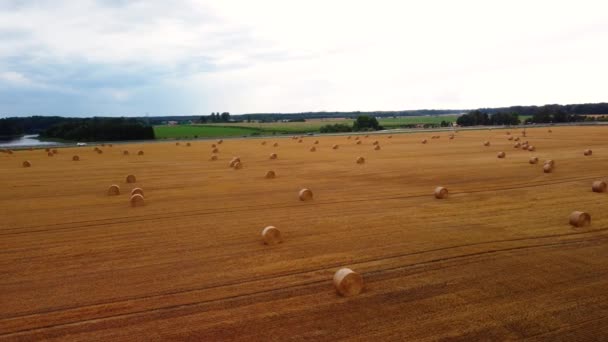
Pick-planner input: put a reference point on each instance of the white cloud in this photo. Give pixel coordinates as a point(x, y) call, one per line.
point(272, 55)
point(118, 94)
point(15, 78)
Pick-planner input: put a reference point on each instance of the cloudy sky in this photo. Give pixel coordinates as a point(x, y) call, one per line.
point(121, 57)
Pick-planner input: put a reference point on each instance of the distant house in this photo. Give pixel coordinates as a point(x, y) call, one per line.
point(172, 123)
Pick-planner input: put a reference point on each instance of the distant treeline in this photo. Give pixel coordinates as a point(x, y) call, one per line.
point(215, 117)
point(11, 127)
point(478, 117)
point(580, 109)
point(100, 129)
point(538, 114)
point(571, 109)
point(295, 117)
point(361, 124)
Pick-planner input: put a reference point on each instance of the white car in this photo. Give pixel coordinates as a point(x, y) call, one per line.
point(81, 144)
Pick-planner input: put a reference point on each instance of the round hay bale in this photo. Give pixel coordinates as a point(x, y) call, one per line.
point(177, 144)
point(125, 153)
point(299, 141)
point(599, 186)
point(441, 192)
point(26, 164)
point(137, 200)
point(312, 149)
point(131, 179)
point(516, 139)
point(390, 136)
point(356, 138)
point(510, 138)
point(366, 136)
point(276, 145)
point(335, 147)
point(517, 145)
point(358, 142)
point(501, 155)
point(113, 190)
point(316, 142)
point(531, 148)
point(238, 165)
point(424, 141)
point(533, 160)
point(271, 235)
point(524, 147)
point(273, 156)
point(103, 145)
point(377, 147)
point(587, 152)
point(348, 282)
point(349, 137)
point(213, 146)
point(270, 174)
point(263, 143)
point(233, 161)
point(508, 133)
point(99, 151)
point(75, 158)
point(50, 154)
point(451, 137)
point(305, 195)
point(580, 219)
point(137, 191)
point(188, 144)
point(550, 131)
point(110, 145)
point(220, 141)
point(215, 150)
point(360, 160)
point(55, 151)
point(140, 153)
point(486, 143)
point(49, 150)
point(375, 142)
point(213, 157)
point(550, 162)
point(547, 168)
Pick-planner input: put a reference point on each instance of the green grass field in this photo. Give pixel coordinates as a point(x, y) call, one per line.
point(200, 131)
point(256, 128)
point(408, 120)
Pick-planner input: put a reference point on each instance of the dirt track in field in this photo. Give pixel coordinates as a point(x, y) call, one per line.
point(495, 260)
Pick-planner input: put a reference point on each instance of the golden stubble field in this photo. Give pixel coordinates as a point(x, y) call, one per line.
point(495, 260)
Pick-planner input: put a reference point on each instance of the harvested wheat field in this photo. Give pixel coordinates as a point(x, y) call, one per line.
point(496, 259)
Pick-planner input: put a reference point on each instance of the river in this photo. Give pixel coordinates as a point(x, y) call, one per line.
point(27, 140)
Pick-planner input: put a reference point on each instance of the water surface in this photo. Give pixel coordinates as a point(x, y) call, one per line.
point(27, 140)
